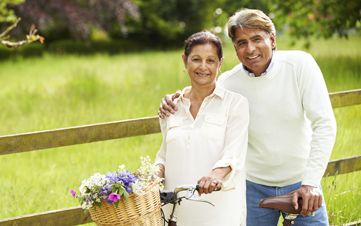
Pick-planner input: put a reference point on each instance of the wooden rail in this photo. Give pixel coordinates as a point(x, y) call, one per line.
point(62, 217)
point(342, 166)
point(113, 130)
point(118, 129)
point(78, 135)
point(345, 98)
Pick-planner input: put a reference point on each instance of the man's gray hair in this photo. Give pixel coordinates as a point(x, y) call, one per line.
point(250, 18)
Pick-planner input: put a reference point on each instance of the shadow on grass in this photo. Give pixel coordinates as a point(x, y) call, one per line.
point(84, 48)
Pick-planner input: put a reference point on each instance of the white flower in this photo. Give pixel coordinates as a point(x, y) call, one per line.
point(147, 171)
point(139, 186)
point(97, 180)
point(121, 168)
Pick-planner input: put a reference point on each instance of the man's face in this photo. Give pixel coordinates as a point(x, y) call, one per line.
point(254, 48)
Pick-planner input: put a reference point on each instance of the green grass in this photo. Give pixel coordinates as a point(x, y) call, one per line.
point(59, 91)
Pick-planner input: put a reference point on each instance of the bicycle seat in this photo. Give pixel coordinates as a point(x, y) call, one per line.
point(282, 203)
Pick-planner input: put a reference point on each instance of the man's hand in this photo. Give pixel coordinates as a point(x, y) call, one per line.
point(167, 106)
point(311, 199)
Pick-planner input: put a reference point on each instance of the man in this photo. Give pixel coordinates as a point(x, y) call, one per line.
point(292, 128)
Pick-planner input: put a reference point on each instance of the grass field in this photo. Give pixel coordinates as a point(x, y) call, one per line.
point(60, 91)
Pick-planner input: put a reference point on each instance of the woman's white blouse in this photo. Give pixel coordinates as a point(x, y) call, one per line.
point(191, 148)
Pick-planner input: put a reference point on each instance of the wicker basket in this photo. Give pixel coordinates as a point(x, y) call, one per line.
point(137, 210)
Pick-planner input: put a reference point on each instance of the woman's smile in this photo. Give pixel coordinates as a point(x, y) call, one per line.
point(202, 64)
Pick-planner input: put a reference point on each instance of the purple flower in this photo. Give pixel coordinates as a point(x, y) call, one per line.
point(73, 193)
point(113, 198)
point(112, 177)
point(106, 190)
point(126, 178)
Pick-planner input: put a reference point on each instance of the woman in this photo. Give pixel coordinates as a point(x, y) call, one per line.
point(205, 141)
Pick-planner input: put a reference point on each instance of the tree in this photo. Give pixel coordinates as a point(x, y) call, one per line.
point(171, 21)
point(317, 18)
point(7, 15)
point(76, 19)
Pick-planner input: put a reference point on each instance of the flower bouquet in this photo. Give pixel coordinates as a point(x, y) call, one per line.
point(122, 197)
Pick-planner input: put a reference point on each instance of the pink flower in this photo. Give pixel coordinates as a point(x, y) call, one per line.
point(113, 197)
point(73, 193)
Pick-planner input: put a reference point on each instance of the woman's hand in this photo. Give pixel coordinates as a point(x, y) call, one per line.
point(213, 182)
point(160, 173)
point(208, 184)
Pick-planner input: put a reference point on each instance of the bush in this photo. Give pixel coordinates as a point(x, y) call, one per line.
point(83, 48)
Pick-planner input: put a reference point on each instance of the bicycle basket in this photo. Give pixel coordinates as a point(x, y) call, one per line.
point(138, 210)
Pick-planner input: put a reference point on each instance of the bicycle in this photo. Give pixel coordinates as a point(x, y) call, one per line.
point(167, 197)
point(283, 204)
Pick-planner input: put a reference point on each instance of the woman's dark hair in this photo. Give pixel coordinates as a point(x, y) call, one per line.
point(201, 38)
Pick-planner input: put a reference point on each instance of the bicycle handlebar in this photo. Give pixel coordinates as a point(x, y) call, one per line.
point(168, 197)
point(192, 188)
point(172, 197)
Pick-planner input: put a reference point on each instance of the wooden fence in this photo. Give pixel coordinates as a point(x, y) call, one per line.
point(119, 129)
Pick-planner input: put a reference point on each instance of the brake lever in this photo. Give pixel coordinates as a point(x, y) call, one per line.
point(200, 200)
point(192, 194)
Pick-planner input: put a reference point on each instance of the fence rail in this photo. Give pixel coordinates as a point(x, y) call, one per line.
point(113, 130)
point(345, 98)
point(77, 135)
point(119, 129)
point(62, 217)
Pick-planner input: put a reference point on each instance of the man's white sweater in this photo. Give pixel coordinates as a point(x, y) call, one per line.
point(292, 128)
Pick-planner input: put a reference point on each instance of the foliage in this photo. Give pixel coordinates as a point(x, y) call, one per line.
point(170, 21)
point(31, 37)
point(114, 186)
point(76, 19)
point(317, 18)
point(6, 14)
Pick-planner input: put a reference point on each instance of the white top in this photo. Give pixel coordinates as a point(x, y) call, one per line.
point(192, 148)
point(292, 127)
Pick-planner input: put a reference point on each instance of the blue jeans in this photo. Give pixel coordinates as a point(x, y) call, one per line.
point(268, 217)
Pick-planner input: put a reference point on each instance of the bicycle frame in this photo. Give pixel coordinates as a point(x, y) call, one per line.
point(172, 198)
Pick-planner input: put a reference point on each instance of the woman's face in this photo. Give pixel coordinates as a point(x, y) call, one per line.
point(202, 64)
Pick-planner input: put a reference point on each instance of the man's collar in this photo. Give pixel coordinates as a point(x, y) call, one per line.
point(219, 91)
